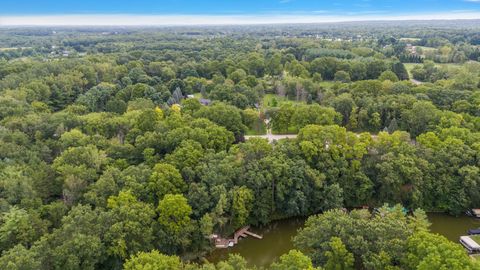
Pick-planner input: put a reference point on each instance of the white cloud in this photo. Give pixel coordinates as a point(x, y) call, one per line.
point(159, 20)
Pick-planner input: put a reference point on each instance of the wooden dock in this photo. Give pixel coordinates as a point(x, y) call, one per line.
point(254, 235)
point(243, 232)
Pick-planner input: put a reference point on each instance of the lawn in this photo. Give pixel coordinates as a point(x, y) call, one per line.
point(269, 101)
point(291, 130)
point(409, 67)
point(475, 238)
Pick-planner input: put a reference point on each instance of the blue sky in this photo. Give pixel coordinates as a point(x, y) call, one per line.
point(316, 10)
point(222, 7)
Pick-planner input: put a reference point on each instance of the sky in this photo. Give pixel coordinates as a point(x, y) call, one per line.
point(170, 12)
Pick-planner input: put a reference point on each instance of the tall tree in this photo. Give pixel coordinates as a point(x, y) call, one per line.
point(338, 257)
point(175, 223)
point(153, 260)
point(132, 225)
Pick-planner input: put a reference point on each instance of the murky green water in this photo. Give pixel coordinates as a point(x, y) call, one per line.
point(277, 238)
point(452, 227)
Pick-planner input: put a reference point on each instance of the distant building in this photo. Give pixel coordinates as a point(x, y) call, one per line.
point(205, 102)
point(411, 49)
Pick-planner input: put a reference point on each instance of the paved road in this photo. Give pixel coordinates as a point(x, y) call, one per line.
point(271, 137)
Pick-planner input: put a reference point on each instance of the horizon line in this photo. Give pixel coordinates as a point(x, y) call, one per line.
point(205, 20)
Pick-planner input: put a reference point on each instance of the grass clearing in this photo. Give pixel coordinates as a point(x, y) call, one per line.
point(410, 39)
point(291, 130)
point(13, 48)
point(198, 95)
point(426, 49)
point(449, 65)
point(258, 128)
point(411, 66)
point(327, 84)
point(476, 238)
point(272, 101)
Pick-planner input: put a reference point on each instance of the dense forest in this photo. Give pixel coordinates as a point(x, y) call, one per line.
point(125, 148)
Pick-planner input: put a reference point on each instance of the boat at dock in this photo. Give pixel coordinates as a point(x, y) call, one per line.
point(473, 232)
point(475, 212)
point(470, 244)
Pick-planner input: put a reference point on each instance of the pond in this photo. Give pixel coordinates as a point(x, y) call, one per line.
point(277, 238)
point(452, 227)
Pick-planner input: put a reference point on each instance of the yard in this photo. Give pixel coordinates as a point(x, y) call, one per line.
point(272, 101)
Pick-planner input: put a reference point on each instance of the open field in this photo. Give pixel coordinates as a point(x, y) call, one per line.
point(410, 39)
point(14, 48)
point(426, 49)
point(410, 66)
